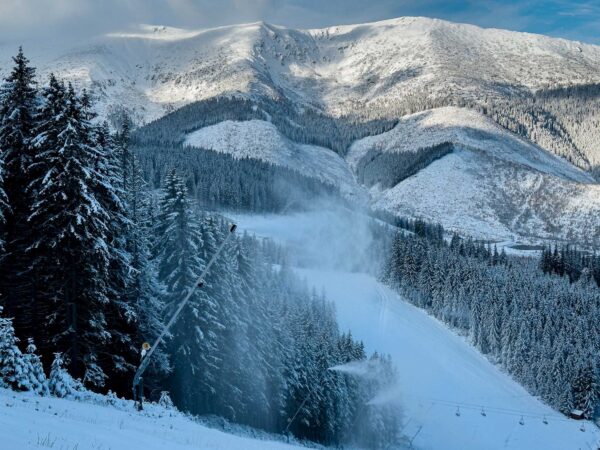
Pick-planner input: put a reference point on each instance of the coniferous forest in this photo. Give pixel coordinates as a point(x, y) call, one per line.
point(537, 320)
point(97, 254)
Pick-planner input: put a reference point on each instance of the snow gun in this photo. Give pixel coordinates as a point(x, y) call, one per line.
point(138, 380)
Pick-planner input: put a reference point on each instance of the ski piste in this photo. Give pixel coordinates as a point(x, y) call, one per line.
point(138, 381)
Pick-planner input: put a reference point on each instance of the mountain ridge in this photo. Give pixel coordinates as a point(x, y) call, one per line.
point(381, 71)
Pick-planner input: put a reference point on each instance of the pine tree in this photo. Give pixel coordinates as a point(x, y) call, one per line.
point(18, 99)
point(586, 389)
point(193, 346)
point(14, 369)
point(165, 401)
point(37, 377)
point(51, 120)
point(121, 314)
point(73, 232)
point(147, 292)
point(60, 383)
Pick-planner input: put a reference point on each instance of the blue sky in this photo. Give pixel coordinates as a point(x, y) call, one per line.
point(572, 19)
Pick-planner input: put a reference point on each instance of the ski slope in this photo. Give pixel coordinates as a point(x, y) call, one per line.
point(439, 370)
point(29, 422)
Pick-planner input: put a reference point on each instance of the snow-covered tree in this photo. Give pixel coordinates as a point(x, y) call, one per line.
point(37, 378)
point(533, 318)
point(73, 233)
point(121, 312)
point(165, 400)
point(147, 293)
point(14, 369)
point(586, 389)
point(18, 100)
point(178, 250)
point(60, 383)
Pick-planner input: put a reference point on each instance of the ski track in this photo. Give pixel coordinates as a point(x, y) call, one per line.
point(438, 369)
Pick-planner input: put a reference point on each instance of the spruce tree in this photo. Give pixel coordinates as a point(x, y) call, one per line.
point(193, 345)
point(18, 99)
point(50, 122)
point(14, 369)
point(60, 383)
point(147, 292)
point(121, 314)
point(73, 233)
point(37, 378)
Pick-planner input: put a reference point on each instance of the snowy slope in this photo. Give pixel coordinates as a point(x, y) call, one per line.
point(368, 68)
point(31, 422)
point(439, 371)
point(465, 129)
point(261, 140)
point(493, 185)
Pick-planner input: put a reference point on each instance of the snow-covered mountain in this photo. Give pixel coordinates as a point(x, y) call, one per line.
point(339, 68)
point(493, 182)
point(487, 182)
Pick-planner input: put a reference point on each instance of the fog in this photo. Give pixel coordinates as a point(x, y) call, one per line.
point(325, 235)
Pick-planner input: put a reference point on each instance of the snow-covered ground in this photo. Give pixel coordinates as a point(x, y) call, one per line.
point(440, 373)
point(29, 422)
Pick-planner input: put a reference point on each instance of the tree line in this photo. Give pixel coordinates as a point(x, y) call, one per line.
point(568, 261)
point(306, 124)
point(219, 181)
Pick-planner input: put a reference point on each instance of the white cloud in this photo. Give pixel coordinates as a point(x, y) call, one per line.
point(67, 18)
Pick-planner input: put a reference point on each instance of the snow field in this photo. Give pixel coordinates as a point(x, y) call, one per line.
point(29, 422)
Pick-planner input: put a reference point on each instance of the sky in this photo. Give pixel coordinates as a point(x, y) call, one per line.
point(571, 19)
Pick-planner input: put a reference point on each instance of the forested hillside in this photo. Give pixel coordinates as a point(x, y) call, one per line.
point(95, 260)
point(539, 327)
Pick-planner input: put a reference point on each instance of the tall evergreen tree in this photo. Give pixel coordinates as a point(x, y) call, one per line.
point(74, 234)
point(51, 120)
point(147, 293)
point(193, 347)
point(18, 99)
point(122, 356)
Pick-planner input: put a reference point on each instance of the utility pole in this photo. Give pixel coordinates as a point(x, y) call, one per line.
point(138, 381)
